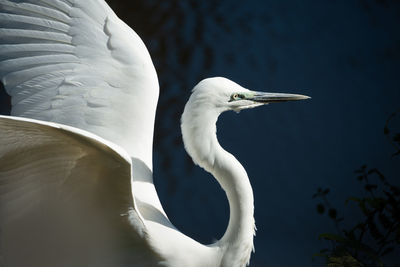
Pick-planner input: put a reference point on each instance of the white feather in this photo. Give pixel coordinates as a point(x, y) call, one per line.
point(83, 42)
point(45, 166)
point(77, 63)
point(76, 180)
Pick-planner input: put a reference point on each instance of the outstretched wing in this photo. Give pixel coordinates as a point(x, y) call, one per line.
point(75, 62)
point(65, 199)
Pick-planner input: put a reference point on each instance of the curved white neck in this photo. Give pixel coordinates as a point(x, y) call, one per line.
point(199, 136)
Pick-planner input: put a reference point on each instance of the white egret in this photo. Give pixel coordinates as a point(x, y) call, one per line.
point(76, 185)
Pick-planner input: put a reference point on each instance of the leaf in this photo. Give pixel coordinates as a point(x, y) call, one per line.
point(395, 204)
point(332, 237)
point(360, 247)
point(335, 262)
point(376, 203)
point(343, 261)
point(363, 167)
point(330, 264)
point(363, 208)
point(332, 213)
point(350, 234)
point(370, 187)
point(373, 230)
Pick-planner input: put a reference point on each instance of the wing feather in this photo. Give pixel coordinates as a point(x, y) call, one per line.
point(87, 50)
point(12, 35)
point(57, 180)
point(14, 19)
point(35, 9)
point(76, 63)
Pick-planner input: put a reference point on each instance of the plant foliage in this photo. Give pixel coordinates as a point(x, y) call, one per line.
point(368, 241)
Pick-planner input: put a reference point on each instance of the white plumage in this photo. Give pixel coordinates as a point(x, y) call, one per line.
point(76, 185)
point(77, 63)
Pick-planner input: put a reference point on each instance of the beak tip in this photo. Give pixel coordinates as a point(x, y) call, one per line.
point(301, 97)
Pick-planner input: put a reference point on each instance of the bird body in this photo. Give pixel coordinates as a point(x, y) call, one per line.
point(76, 154)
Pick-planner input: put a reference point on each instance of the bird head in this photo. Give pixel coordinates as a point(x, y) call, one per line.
point(209, 99)
point(223, 94)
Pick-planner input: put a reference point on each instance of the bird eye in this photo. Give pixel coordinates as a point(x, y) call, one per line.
point(236, 97)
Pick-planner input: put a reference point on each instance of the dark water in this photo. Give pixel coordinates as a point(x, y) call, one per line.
point(344, 54)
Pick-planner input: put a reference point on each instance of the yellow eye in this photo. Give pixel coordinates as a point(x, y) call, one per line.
point(235, 96)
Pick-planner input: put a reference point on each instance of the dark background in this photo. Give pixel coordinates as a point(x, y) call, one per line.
point(344, 54)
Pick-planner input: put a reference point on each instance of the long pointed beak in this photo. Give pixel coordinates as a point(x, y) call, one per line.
point(265, 98)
